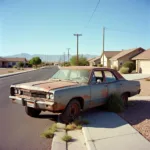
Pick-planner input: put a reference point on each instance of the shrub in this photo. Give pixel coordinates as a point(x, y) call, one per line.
point(66, 138)
point(130, 65)
point(48, 134)
point(124, 70)
point(20, 64)
point(115, 103)
point(71, 126)
point(66, 64)
point(82, 61)
point(114, 67)
point(15, 66)
point(100, 65)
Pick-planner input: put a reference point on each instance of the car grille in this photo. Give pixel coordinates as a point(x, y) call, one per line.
point(34, 94)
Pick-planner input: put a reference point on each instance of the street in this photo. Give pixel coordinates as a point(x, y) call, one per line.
point(17, 130)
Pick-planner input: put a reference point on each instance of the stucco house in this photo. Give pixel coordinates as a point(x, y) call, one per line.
point(10, 62)
point(143, 62)
point(99, 60)
point(125, 55)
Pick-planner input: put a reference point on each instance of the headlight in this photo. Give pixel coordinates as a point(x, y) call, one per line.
point(16, 91)
point(50, 96)
point(19, 92)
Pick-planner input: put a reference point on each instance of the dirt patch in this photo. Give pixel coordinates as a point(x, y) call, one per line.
point(138, 113)
point(145, 88)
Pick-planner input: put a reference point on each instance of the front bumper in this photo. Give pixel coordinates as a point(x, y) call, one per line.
point(37, 104)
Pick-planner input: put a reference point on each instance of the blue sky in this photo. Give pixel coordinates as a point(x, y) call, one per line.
point(47, 26)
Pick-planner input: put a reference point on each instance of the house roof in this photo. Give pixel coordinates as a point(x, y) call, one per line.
point(144, 55)
point(2, 59)
point(123, 53)
point(15, 59)
point(93, 59)
point(110, 54)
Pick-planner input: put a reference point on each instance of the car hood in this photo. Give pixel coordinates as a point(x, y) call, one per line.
point(45, 85)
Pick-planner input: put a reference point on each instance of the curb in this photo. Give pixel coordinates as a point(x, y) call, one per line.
point(12, 74)
point(21, 72)
point(57, 142)
point(89, 144)
point(139, 98)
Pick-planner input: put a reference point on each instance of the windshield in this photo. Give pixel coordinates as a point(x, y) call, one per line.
point(81, 76)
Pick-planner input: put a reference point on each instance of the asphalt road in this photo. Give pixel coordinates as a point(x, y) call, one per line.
point(17, 130)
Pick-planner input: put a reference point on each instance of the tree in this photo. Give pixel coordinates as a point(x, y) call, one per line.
point(35, 61)
point(20, 64)
point(82, 61)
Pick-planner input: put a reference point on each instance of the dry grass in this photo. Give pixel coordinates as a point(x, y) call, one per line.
point(50, 132)
point(66, 138)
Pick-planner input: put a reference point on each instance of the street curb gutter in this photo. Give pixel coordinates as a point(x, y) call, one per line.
point(57, 142)
point(89, 143)
point(12, 74)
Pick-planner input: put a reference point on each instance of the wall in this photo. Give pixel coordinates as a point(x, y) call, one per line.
point(114, 63)
point(105, 60)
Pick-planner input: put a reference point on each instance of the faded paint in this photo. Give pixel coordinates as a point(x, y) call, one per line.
point(93, 94)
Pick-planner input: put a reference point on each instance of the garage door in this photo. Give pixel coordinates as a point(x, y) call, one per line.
point(145, 66)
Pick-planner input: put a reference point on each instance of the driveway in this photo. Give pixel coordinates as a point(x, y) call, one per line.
point(135, 76)
point(17, 130)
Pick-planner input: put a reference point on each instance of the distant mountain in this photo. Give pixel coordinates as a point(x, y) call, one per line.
point(49, 58)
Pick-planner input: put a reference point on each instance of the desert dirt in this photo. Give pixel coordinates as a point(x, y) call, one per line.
point(138, 112)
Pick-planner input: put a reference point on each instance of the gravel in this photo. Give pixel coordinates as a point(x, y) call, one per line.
point(138, 112)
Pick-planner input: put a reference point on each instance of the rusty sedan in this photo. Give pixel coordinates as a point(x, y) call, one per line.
point(72, 89)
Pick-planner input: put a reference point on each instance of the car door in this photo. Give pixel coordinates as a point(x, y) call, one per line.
point(114, 85)
point(98, 87)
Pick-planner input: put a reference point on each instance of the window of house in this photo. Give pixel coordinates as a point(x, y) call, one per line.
point(109, 76)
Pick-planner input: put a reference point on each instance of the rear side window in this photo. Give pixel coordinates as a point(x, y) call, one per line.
point(109, 77)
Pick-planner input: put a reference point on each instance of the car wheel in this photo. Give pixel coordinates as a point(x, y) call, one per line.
point(124, 98)
point(32, 112)
point(71, 112)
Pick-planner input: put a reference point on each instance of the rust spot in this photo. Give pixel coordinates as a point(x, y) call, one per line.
point(104, 93)
point(86, 97)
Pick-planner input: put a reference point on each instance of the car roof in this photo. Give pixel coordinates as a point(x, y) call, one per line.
point(85, 68)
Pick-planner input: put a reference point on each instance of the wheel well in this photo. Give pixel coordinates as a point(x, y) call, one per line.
point(80, 100)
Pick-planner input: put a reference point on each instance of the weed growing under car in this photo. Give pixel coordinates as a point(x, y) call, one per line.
point(115, 103)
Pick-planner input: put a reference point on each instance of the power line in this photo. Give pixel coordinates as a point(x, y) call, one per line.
point(93, 13)
point(111, 29)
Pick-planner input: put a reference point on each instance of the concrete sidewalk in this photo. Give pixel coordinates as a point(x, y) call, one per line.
point(136, 76)
point(108, 131)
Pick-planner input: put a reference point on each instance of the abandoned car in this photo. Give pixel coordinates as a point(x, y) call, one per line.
point(72, 89)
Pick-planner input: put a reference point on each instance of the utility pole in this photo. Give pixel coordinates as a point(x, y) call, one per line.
point(103, 43)
point(64, 58)
point(77, 35)
point(68, 53)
